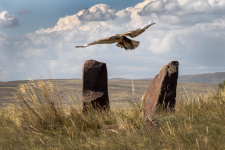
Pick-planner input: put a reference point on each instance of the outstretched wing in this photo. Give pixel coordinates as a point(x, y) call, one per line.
point(100, 41)
point(137, 32)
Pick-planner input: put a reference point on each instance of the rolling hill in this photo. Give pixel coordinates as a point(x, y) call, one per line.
point(215, 78)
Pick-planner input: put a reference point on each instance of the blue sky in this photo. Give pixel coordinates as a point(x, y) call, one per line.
point(45, 13)
point(35, 35)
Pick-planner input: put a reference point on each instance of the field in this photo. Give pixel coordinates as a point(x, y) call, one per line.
point(120, 90)
point(49, 116)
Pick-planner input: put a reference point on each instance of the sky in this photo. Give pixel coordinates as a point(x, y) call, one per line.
point(38, 38)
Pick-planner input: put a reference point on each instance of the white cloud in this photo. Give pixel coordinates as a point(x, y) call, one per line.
point(99, 12)
point(29, 53)
point(2, 35)
point(153, 7)
point(190, 31)
point(186, 12)
point(8, 20)
point(3, 40)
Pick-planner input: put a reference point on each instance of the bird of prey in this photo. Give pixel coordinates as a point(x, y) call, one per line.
point(121, 39)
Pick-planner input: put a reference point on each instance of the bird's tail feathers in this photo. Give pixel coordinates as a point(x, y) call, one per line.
point(128, 46)
point(134, 44)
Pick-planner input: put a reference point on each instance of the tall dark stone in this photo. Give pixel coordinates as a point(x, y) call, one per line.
point(95, 85)
point(161, 91)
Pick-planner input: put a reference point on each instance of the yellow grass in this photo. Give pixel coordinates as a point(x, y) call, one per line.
point(44, 121)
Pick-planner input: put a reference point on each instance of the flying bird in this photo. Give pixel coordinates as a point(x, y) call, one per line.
point(121, 39)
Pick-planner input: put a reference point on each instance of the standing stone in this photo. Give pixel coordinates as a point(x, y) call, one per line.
point(95, 85)
point(161, 92)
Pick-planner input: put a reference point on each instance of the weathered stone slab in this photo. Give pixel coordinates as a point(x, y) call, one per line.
point(150, 124)
point(161, 91)
point(95, 85)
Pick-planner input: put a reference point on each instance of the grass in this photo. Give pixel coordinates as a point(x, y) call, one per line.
point(44, 121)
point(119, 90)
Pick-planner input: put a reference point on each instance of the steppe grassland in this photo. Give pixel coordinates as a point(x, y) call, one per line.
point(44, 121)
point(120, 90)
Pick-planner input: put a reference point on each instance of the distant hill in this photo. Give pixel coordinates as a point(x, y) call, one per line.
point(217, 77)
point(213, 78)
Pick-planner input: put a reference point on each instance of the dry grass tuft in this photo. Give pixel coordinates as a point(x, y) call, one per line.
point(41, 105)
